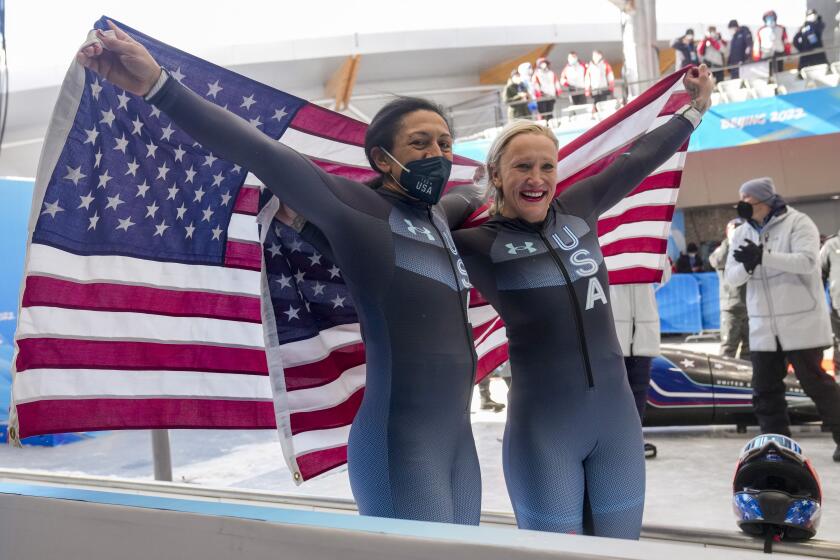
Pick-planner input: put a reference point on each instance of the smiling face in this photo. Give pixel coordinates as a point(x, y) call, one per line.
point(527, 176)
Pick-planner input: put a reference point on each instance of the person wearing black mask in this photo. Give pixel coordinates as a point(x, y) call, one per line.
point(809, 38)
point(411, 453)
point(776, 254)
point(686, 50)
point(740, 47)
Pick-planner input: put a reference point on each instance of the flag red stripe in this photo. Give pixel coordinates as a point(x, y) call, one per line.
point(61, 353)
point(324, 419)
point(326, 370)
point(635, 245)
point(647, 97)
point(491, 361)
point(316, 462)
point(318, 121)
point(635, 275)
point(241, 254)
point(358, 174)
point(83, 415)
point(639, 214)
point(247, 201)
point(664, 180)
point(52, 292)
point(677, 100)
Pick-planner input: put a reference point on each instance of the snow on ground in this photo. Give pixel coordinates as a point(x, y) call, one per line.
point(688, 484)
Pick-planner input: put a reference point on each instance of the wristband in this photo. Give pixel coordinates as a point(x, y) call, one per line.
point(691, 114)
point(164, 75)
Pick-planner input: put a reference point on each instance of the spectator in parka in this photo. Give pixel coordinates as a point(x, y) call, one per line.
point(599, 81)
point(516, 97)
point(546, 88)
point(830, 263)
point(776, 254)
point(686, 50)
point(691, 260)
point(573, 78)
point(771, 42)
point(636, 318)
point(809, 38)
point(712, 51)
point(734, 321)
point(740, 47)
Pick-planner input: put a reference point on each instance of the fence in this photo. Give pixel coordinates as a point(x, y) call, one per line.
point(689, 303)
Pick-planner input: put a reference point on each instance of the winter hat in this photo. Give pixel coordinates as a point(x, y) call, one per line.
point(764, 190)
point(732, 23)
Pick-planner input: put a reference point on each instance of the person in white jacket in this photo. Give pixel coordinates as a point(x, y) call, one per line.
point(776, 253)
point(636, 318)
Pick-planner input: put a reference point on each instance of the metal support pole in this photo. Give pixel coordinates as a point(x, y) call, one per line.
point(641, 61)
point(161, 455)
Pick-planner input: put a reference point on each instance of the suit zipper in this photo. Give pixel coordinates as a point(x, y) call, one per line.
point(467, 327)
point(575, 305)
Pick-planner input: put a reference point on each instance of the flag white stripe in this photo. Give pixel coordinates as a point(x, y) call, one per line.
point(631, 260)
point(322, 148)
point(37, 384)
point(315, 440)
point(325, 148)
point(496, 339)
point(656, 197)
point(317, 348)
point(631, 127)
point(650, 228)
point(49, 261)
point(110, 325)
point(243, 227)
point(481, 315)
point(329, 395)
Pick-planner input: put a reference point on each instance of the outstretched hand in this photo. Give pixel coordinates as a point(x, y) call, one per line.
point(699, 84)
point(121, 60)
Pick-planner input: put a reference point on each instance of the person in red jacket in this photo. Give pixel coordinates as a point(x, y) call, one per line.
point(599, 81)
point(771, 42)
point(546, 88)
point(573, 78)
point(712, 51)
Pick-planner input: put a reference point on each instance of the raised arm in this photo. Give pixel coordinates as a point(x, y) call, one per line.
point(292, 177)
point(596, 194)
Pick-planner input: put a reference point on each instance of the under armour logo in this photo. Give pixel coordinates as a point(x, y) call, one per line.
point(526, 246)
point(422, 230)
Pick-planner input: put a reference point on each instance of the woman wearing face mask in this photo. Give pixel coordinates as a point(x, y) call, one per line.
point(573, 447)
point(771, 42)
point(411, 452)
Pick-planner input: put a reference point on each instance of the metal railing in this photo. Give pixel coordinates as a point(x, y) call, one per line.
point(478, 118)
point(704, 537)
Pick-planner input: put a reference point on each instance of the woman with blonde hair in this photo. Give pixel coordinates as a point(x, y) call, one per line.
point(573, 448)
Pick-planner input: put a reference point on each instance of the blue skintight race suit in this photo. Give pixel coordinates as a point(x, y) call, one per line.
point(573, 449)
point(411, 452)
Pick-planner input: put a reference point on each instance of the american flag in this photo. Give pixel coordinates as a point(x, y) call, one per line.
point(153, 300)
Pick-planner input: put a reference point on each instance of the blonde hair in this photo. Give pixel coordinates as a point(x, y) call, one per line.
point(510, 131)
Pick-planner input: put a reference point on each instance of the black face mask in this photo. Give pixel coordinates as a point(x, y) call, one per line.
point(745, 210)
point(424, 179)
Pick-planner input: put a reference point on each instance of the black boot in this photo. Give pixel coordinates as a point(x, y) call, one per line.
point(650, 451)
point(836, 455)
point(490, 404)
